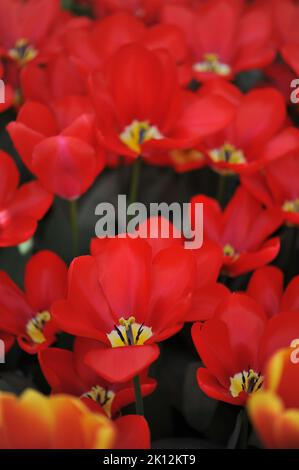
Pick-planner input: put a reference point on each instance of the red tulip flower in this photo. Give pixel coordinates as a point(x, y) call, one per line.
point(27, 34)
point(278, 185)
point(224, 37)
point(242, 147)
point(58, 144)
point(242, 231)
point(115, 31)
point(208, 293)
point(266, 287)
point(27, 315)
point(21, 207)
point(66, 372)
point(126, 310)
point(235, 346)
point(150, 114)
point(58, 78)
point(285, 17)
point(25, 27)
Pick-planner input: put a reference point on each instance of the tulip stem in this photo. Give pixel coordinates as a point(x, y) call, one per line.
point(74, 227)
point(138, 396)
point(135, 177)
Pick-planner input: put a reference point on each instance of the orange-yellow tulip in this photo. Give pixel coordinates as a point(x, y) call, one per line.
point(274, 411)
point(34, 421)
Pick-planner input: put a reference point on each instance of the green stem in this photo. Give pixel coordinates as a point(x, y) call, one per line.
point(135, 177)
point(138, 396)
point(221, 189)
point(74, 227)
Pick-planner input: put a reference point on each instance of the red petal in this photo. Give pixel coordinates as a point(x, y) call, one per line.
point(86, 305)
point(266, 287)
point(133, 433)
point(9, 178)
point(128, 293)
point(66, 166)
point(123, 363)
point(45, 280)
point(173, 277)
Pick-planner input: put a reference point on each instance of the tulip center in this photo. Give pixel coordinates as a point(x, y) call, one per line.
point(102, 396)
point(229, 250)
point(247, 381)
point(139, 132)
point(212, 64)
point(23, 52)
point(228, 154)
point(181, 157)
point(35, 327)
point(291, 206)
point(129, 333)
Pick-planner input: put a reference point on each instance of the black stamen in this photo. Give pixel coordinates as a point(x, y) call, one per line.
point(120, 334)
point(142, 133)
point(139, 332)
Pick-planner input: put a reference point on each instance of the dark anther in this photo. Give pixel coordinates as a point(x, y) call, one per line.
point(120, 334)
point(139, 332)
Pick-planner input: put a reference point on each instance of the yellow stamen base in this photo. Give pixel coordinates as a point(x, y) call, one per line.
point(139, 132)
point(229, 250)
point(102, 396)
point(129, 333)
point(228, 154)
point(212, 64)
point(23, 52)
point(247, 381)
point(35, 327)
point(291, 206)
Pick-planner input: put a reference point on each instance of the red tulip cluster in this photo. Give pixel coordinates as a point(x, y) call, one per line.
point(193, 86)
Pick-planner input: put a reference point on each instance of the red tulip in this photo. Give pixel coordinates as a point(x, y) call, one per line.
point(25, 27)
point(28, 33)
point(27, 315)
point(57, 144)
point(224, 36)
point(266, 287)
point(285, 16)
point(242, 231)
point(58, 78)
point(241, 147)
point(126, 310)
point(278, 186)
point(66, 372)
point(115, 31)
point(207, 292)
point(151, 114)
point(235, 345)
point(20, 207)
